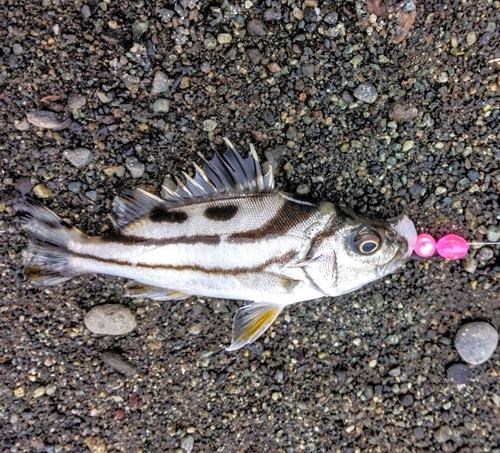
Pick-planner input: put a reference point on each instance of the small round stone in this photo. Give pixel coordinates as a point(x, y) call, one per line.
point(42, 191)
point(476, 342)
point(458, 373)
point(256, 28)
point(110, 319)
point(118, 363)
point(493, 233)
point(48, 120)
point(209, 125)
point(366, 92)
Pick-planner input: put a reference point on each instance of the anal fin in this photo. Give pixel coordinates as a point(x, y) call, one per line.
point(137, 289)
point(251, 321)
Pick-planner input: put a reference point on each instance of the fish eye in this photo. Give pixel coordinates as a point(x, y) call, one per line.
point(367, 244)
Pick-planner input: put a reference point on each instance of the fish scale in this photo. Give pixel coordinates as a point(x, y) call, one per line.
point(225, 233)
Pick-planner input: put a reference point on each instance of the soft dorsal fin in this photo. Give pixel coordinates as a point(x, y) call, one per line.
point(222, 174)
point(133, 204)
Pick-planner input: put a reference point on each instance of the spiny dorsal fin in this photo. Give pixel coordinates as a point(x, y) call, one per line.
point(223, 174)
point(132, 205)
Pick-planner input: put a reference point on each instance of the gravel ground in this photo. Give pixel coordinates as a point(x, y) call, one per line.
point(130, 91)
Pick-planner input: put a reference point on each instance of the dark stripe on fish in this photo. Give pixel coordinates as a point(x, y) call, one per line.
point(285, 258)
point(221, 213)
point(163, 214)
point(137, 240)
point(289, 215)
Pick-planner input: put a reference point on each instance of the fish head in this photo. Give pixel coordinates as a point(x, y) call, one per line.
point(359, 249)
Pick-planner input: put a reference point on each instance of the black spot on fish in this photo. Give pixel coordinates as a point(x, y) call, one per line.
point(162, 214)
point(221, 213)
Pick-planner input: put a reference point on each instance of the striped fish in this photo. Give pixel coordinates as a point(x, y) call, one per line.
point(226, 233)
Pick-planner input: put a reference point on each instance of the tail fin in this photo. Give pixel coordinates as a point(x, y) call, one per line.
point(47, 259)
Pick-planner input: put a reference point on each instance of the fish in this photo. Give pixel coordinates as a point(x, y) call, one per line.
point(225, 233)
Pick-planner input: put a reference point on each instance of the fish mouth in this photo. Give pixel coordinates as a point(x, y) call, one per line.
point(406, 240)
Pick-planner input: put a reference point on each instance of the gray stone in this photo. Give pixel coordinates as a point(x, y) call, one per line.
point(493, 233)
point(476, 342)
point(256, 28)
point(209, 125)
point(79, 157)
point(160, 83)
point(75, 186)
point(187, 443)
point(86, 13)
point(17, 49)
point(48, 120)
point(366, 92)
point(458, 373)
point(331, 18)
point(485, 254)
point(76, 101)
point(443, 434)
point(110, 319)
point(135, 167)
point(138, 29)
point(161, 105)
point(272, 14)
point(118, 363)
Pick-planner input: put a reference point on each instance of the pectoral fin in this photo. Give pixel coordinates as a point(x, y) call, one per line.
point(136, 289)
point(251, 321)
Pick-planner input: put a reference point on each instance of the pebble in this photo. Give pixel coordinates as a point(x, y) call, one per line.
point(219, 305)
point(42, 191)
point(443, 434)
point(75, 186)
point(23, 125)
point(118, 363)
point(210, 43)
point(440, 190)
point(274, 67)
point(195, 329)
point(91, 195)
point(308, 70)
point(302, 189)
point(17, 49)
point(139, 27)
point(256, 28)
point(161, 105)
point(86, 13)
point(39, 391)
point(135, 167)
point(110, 319)
point(470, 265)
point(48, 120)
point(471, 38)
point(331, 18)
point(366, 92)
point(458, 373)
point(96, 444)
point(224, 38)
point(76, 101)
point(160, 83)
point(407, 145)
point(485, 254)
point(79, 157)
point(310, 15)
point(187, 443)
point(50, 389)
point(493, 233)
point(402, 112)
point(254, 55)
point(209, 125)
point(476, 342)
point(272, 14)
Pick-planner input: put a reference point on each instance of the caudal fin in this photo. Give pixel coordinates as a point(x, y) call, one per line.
point(47, 259)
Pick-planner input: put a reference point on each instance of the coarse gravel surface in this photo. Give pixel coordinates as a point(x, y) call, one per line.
point(98, 96)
